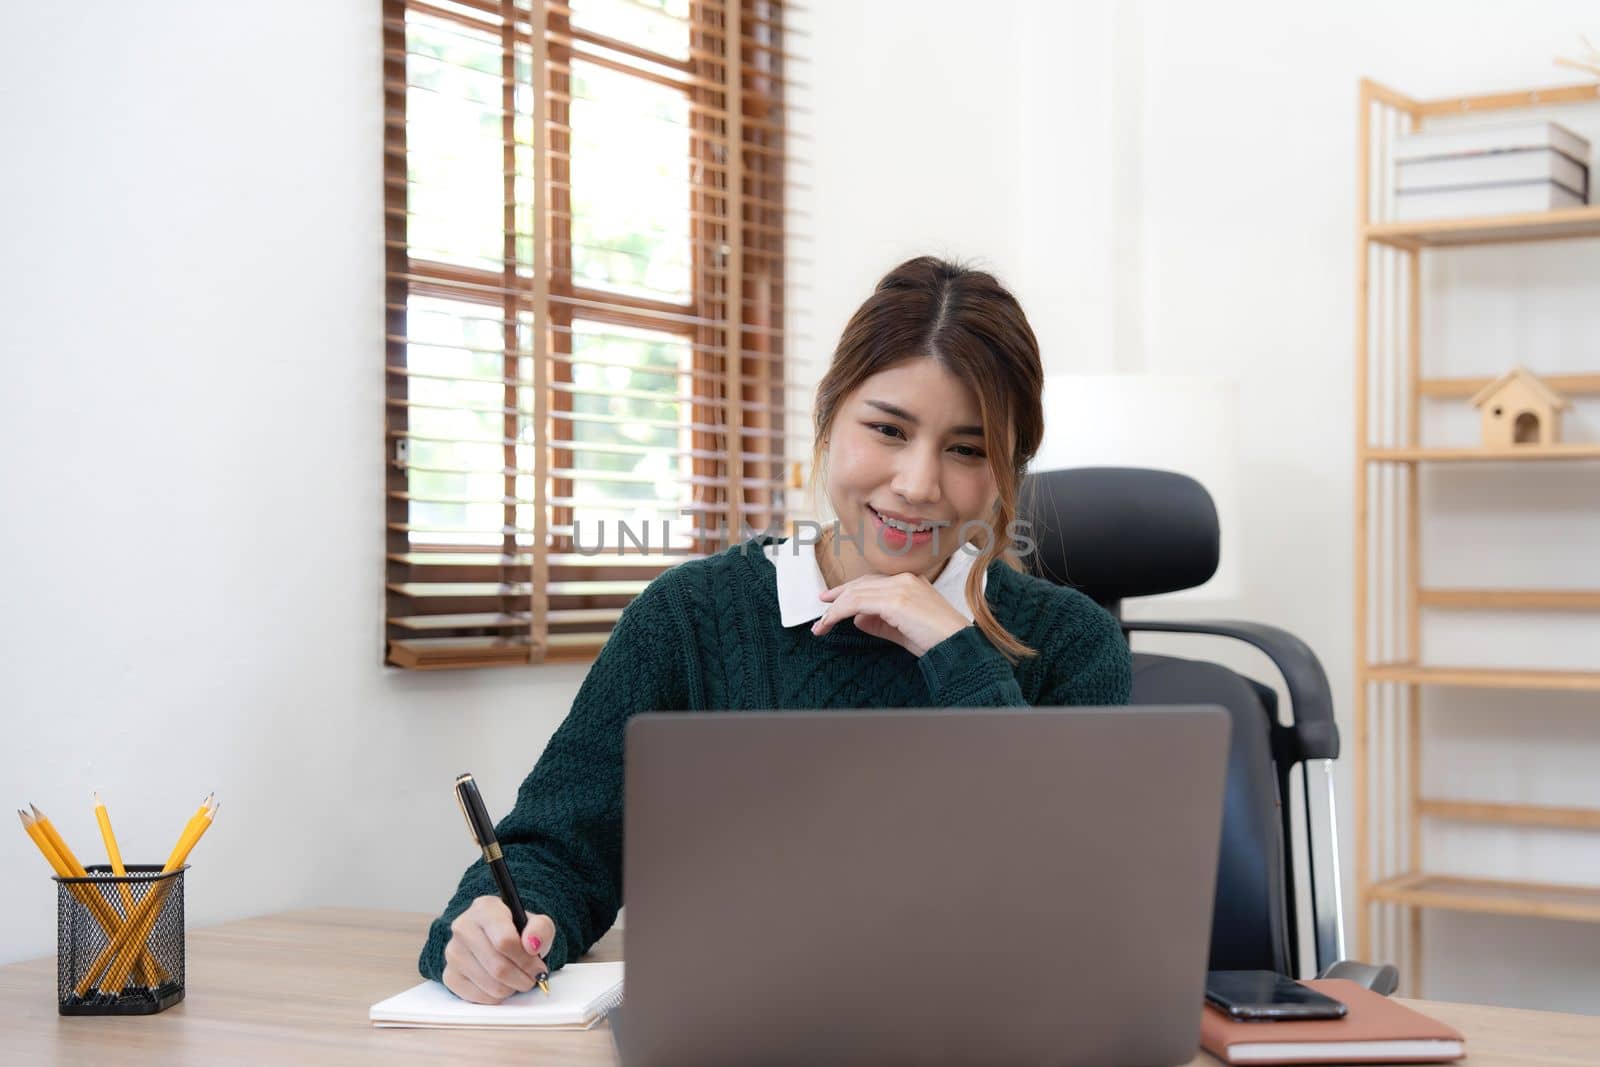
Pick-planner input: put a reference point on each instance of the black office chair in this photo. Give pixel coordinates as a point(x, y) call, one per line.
point(1118, 532)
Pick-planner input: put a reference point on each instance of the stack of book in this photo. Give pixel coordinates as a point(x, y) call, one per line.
point(1489, 170)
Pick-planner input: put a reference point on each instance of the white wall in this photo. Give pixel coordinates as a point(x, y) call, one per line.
point(191, 350)
point(191, 425)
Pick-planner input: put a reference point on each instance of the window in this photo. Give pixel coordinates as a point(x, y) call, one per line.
point(585, 323)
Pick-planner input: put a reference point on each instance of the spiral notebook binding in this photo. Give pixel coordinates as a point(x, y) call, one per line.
point(608, 1004)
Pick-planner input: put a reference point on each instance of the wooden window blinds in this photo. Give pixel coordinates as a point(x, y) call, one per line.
point(584, 311)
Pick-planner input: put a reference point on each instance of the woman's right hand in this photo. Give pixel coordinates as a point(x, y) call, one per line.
point(485, 961)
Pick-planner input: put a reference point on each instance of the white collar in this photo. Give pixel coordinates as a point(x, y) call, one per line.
point(801, 585)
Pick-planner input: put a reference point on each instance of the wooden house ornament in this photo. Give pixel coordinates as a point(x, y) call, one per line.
point(1518, 410)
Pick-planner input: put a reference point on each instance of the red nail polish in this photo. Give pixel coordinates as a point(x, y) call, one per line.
point(534, 942)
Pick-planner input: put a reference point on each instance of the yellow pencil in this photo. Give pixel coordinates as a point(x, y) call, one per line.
point(89, 895)
point(137, 928)
point(151, 906)
point(201, 814)
point(121, 940)
point(50, 854)
point(85, 894)
point(144, 916)
point(149, 909)
point(55, 839)
point(114, 855)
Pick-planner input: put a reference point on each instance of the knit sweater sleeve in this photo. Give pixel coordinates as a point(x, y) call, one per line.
point(1084, 661)
point(563, 838)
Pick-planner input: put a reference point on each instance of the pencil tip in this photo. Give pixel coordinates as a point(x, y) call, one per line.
point(37, 814)
point(97, 796)
point(23, 816)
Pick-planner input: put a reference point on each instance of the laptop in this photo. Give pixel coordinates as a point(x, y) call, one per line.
point(930, 886)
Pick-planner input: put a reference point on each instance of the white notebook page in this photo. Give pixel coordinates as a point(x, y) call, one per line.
point(580, 995)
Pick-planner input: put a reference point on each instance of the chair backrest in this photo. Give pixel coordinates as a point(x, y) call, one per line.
point(1114, 533)
point(1249, 919)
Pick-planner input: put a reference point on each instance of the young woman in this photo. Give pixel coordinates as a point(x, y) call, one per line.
point(914, 597)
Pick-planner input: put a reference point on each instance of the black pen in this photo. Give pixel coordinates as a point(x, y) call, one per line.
point(482, 831)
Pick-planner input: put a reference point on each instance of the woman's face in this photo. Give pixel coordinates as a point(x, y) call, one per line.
point(907, 445)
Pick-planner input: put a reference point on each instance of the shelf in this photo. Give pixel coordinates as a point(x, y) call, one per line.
point(1453, 893)
point(1499, 229)
point(1511, 814)
point(1511, 599)
point(1467, 388)
point(1481, 102)
point(1483, 455)
point(1478, 678)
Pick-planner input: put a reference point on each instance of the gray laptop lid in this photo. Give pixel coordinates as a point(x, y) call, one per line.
point(996, 885)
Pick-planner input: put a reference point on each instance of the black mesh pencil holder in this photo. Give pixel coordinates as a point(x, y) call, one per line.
point(119, 941)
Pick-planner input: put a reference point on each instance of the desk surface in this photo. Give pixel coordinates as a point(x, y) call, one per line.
point(297, 985)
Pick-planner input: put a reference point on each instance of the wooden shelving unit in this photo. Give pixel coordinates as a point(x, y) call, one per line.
point(1392, 885)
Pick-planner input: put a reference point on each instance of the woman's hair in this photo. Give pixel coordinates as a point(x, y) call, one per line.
point(976, 330)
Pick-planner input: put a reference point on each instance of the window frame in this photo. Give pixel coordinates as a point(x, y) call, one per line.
point(735, 415)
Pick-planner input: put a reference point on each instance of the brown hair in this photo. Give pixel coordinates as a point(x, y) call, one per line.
point(967, 321)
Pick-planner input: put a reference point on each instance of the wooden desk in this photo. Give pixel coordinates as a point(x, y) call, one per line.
point(295, 988)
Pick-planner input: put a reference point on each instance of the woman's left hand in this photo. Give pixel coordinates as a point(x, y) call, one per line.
point(903, 608)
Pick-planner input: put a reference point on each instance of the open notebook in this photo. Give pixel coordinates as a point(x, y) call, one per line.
point(580, 995)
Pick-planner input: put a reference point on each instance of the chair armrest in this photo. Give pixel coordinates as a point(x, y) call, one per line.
point(1379, 977)
point(1310, 698)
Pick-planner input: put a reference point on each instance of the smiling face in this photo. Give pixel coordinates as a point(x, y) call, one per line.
point(907, 447)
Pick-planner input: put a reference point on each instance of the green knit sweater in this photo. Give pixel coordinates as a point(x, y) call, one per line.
point(706, 636)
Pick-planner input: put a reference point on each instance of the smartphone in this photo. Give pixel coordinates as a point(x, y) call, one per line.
point(1267, 995)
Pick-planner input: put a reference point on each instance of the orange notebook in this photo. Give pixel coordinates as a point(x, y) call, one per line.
point(1375, 1030)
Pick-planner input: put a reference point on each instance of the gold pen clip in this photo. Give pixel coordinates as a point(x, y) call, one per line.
point(462, 804)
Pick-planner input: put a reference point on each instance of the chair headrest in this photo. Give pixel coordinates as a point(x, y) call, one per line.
point(1117, 532)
